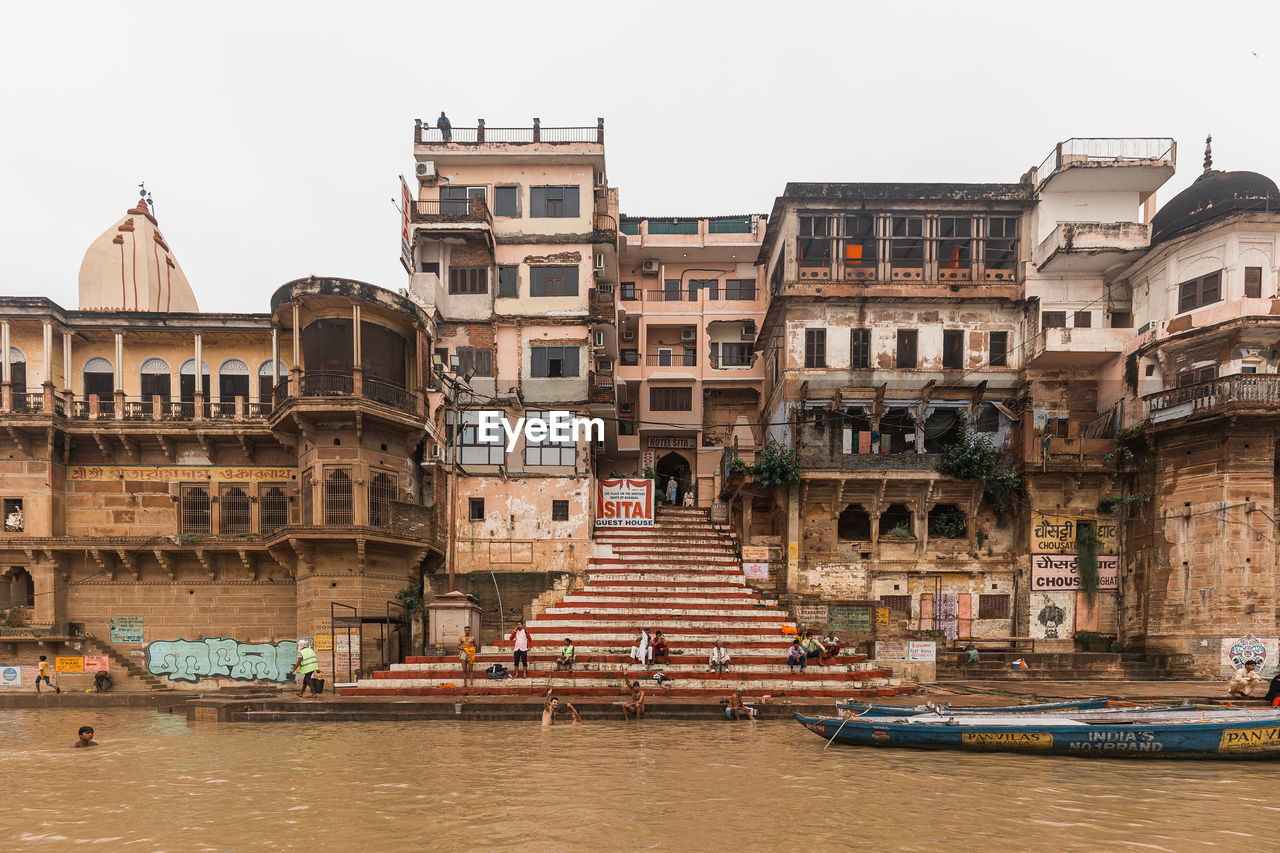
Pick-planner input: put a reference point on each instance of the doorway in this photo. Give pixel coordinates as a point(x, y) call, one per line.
point(673, 465)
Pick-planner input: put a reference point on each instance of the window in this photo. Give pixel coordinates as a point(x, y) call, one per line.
point(952, 349)
point(559, 510)
point(907, 347)
point(233, 382)
point(338, 506)
point(739, 289)
point(671, 290)
point(308, 499)
point(553, 362)
point(711, 285)
point(468, 279)
point(456, 201)
point(815, 348)
point(854, 523)
point(545, 451)
point(999, 355)
point(508, 282)
point(1200, 292)
point(859, 242)
point(1249, 367)
point(1082, 319)
point(12, 511)
point(993, 607)
point(1252, 282)
point(553, 281)
point(382, 491)
point(475, 509)
point(906, 244)
point(629, 357)
point(195, 513)
point(860, 349)
point(988, 419)
point(1196, 375)
point(187, 385)
point(1057, 427)
point(1000, 248)
point(735, 354)
point(233, 510)
point(815, 243)
point(267, 383)
point(100, 379)
point(273, 508)
point(1053, 320)
point(1121, 319)
point(671, 399)
point(504, 201)
point(471, 449)
point(475, 358)
point(155, 379)
point(897, 603)
point(553, 201)
point(628, 291)
point(955, 244)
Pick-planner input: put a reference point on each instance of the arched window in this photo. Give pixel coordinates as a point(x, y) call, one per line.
point(267, 382)
point(17, 586)
point(187, 384)
point(233, 510)
point(948, 521)
point(156, 381)
point(337, 497)
point(18, 377)
point(897, 521)
point(233, 381)
point(100, 380)
point(854, 523)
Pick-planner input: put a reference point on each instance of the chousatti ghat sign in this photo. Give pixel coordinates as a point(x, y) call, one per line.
point(624, 503)
point(177, 473)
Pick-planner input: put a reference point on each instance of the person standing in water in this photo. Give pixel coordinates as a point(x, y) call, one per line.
point(84, 738)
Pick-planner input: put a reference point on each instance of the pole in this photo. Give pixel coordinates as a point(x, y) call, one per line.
point(452, 538)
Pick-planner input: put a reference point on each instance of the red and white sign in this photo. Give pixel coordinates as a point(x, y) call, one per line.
point(406, 244)
point(97, 663)
point(624, 503)
point(1051, 572)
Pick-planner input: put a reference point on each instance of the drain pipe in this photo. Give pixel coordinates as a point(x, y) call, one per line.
point(502, 625)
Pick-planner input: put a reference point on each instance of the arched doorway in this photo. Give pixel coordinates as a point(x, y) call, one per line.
point(674, 465)
point(17, 586)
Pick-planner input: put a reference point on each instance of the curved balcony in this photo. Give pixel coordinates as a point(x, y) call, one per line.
point(1241, 392)
point(316, 384)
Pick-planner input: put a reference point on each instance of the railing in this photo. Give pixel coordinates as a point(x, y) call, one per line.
point(722, 362)
point(451, 210)
point(388, 394)
point(321, 384)
point(328, 384)
point(701, 294)
point(162, 409)
point(1241, 390)
point(425, 134)
point(1107, 150)
point(675, 359)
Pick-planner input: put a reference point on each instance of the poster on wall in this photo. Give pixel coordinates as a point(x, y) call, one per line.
point(1052, 615)
point(1050, 572)
point(844, 619)
point(1056, 534)
point(68, 664)
point(624, 503)
point(647, 460)
point(97, 663)
point(891, 649)
point(126, 629)
point(10, 675)
point(922, 652)
point(756, 571)
point(1237, 650)
point(811, 614)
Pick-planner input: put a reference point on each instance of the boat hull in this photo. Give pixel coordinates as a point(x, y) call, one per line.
point(872, 710)
point(1234, 739)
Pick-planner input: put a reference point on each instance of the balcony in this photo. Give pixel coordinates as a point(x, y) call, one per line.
point(682, 301)
point(1088, 347)
point(600, 388)
point(1098, 164)
point(832, 278)
point(480, 135)
point(601, 305)
point(1091, 247)
point(672, 359)
point(1240, 393)
point(314, 384)
point(471, 213)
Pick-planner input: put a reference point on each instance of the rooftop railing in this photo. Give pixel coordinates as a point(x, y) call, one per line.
point(1241, 390)
point(424, 133)
point(1107, 150)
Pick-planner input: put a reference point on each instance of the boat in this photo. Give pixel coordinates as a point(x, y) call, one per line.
point(871, 710)
point(1193, 734)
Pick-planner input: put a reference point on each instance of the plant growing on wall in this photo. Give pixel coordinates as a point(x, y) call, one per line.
point(948, 523)
point(412, 597)
point(777, 466)
point(974, 457)
point(1087, 560)
point(901, 530)
point(737, 466)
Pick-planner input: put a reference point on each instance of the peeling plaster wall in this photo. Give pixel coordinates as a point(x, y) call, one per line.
point(517, 533)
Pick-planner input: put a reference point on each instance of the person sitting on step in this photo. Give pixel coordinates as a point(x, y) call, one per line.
point(1245, 681)
point(567, 656)
point(796, 656)
point(636, 705)
point(813, 649)
point(659, 649)
point(719, 659)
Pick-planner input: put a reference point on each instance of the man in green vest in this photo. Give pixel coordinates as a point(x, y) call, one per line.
point(307, 666)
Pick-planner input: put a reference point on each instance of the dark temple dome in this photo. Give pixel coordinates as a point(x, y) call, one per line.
point(1213, 195)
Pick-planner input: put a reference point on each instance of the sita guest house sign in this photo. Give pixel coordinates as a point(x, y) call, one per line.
point(624, 503)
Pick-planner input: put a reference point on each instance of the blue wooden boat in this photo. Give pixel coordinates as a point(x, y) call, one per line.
point(872, 710)
point(1246, 736)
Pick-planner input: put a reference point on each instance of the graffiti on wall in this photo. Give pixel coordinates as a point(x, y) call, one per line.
point(1052, 615)
point(1235, 651)
point(220, 657)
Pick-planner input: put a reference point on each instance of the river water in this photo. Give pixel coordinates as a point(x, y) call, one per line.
point(157, 783)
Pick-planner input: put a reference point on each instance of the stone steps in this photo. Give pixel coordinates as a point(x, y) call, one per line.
point(599, 658)
point(543, 667)
point(445, 672)
point(587, 681)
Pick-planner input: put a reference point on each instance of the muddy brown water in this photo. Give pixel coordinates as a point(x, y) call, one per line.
point(159, 784)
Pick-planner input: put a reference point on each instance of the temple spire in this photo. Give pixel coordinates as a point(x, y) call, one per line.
point(1208, 152)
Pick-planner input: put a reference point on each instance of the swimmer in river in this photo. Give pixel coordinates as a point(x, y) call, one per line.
point(636, 705)
point(85, 738)
point(552, 707)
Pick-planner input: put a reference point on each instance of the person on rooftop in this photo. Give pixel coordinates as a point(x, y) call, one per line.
point(445, 127)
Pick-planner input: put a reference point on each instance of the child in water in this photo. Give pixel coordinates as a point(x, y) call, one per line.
point(85, 738)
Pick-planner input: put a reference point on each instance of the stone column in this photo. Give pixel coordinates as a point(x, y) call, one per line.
point(793, 538)
point(357, 372)
point(275, 363)
point(47, 385)
point(118, 380)
point(296, 371)
point(66, 369)
point(6, 371)
point(199, 381)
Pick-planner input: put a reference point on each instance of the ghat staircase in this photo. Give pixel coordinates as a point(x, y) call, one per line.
point(682, 577)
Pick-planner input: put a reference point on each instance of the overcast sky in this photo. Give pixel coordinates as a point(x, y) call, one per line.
point(271, 134)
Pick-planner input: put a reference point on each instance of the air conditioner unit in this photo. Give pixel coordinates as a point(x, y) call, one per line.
point(689, 334)
point(437, 452)
point(426, 170)
point(749, 332)
point(650, 267)
point(628, 334)
point(600, 260)
point(598, 337)
point(604, 365)
point(625, 408)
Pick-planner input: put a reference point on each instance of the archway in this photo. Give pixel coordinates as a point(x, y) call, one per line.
point(673, 465)
point(17, 586)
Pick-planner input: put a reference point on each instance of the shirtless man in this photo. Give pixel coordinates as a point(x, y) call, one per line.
point(85, 738)
point(552, 707)
point(467, 655)
point(736, 709)
point(636, 705)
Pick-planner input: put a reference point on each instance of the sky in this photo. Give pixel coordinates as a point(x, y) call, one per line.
point(272, 135)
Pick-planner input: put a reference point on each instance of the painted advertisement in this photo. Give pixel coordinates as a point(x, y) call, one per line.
point(219, 657)
point(97, 663)
point(810, 615)
point(1056, 534)
point(922, 652)
point(10, 675)
point(756, 571)
point(1052, 615)
point(1052, 572)
point(68, 664)
point(179, 473)
point(126, 629)
point(624, 503)
point(1237, 650)
point(891, 649)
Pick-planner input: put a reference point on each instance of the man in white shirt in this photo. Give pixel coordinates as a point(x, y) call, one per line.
point(719, 658)
point(520, 643)
point(1244, 682)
